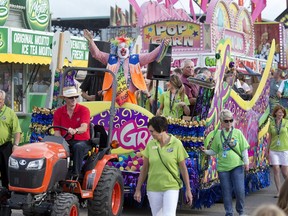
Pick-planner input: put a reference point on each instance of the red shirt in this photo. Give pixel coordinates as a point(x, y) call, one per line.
point(80, 115)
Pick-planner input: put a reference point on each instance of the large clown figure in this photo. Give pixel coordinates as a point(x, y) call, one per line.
point(126, 66)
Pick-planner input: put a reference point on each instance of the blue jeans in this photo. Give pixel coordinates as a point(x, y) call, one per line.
point(230, 181)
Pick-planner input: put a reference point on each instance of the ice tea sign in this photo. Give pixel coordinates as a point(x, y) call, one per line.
point(31, 44)
point(4, 11)
point(37, 14)
point(181, 34)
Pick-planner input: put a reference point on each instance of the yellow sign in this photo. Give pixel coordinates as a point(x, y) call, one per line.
point(186, 34)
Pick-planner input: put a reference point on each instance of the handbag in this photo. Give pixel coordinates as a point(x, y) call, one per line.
point(181, 192)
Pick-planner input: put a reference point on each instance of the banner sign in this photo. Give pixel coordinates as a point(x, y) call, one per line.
point(37, 14)
point(4, 11)
point(3, 40)
point(79, 49)
point(31, 44)
point(181, 34)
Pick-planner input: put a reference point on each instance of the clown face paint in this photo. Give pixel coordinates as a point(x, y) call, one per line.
point(123, 51)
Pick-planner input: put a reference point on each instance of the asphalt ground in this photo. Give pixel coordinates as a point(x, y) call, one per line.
point(252, 201)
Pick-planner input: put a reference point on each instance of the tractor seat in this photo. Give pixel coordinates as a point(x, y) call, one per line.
point(98, 136)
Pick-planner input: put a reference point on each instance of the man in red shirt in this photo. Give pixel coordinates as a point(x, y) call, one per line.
point(76, 118)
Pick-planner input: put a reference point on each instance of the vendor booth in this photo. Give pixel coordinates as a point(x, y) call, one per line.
point(25, 56)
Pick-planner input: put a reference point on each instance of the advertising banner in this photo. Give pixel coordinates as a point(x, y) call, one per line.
point(27, 43)
point(3, 40)
point(181, 34)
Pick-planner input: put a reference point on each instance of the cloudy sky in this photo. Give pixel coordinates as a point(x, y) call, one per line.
point(91, 8)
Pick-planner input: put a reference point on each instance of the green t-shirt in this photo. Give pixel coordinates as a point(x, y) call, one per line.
point(228, 159)
point(9, 124)
point(159, 178)
point(283, 136)
point(175, 111)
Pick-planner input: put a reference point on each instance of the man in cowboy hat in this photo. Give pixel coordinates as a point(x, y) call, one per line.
point(76, 118)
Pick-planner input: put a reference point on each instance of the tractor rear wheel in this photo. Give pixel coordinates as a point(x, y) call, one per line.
point(108, 195)
point(66, 204)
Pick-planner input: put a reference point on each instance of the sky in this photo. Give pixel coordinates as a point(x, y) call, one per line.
point(92, 8)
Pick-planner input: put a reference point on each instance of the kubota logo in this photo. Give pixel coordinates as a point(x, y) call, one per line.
point(22, 162)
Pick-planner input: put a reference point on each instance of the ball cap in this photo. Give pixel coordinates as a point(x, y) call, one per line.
point(70, 91)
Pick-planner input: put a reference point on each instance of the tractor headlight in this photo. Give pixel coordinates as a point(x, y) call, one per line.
point(13, 163)
point(35, 165)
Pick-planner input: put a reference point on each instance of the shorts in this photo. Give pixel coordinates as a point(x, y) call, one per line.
point(278, 158)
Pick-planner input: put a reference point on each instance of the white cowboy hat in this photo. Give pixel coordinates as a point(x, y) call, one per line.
point(70, 91)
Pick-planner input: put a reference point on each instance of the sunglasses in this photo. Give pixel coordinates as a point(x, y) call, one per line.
point(228, 120)
point(71, 98)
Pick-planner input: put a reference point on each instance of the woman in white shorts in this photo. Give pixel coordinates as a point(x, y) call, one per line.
point(278, 145)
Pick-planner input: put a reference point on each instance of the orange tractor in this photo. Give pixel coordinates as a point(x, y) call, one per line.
point(40, 183)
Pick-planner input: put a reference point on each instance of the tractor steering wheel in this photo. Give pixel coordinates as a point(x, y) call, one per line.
point(63, 128)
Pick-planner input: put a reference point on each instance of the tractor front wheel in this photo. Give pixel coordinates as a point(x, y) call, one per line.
point(108, 195)
point(66, 204)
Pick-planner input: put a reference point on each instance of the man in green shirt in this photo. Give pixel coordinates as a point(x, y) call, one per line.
point(9, 137)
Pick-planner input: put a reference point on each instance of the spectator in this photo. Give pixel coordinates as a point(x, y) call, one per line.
point(283, 197)
point(76, 118)
point(241, 84)
point(146, 98)
point(231, 148)
point(191, 90)
point(174, 102)
point(277, 145)
point(274, 86)
point(178, 72)
point(10, 132)
point(91, 87)
point(163, 158)
point(269, 210)
point(204, 74)
point(282, 94)
point(232, 68)
point(197, 70)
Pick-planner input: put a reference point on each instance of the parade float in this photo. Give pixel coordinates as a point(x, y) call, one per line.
point(227, 35)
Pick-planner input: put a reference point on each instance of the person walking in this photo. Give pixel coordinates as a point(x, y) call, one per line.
point(277, 145)
point(163, 157)
point(76, 118)
point(231, 148)
point(10, 136)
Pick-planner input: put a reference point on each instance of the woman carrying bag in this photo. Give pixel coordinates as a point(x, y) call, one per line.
point(231, 148)
point(163, 157)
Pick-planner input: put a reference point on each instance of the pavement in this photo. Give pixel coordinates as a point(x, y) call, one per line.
point(253, 200)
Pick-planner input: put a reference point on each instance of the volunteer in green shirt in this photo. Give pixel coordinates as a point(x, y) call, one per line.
point(231, 148)
point(278, 145)
point(163, 157)
point(174, 102)
point(10, 131)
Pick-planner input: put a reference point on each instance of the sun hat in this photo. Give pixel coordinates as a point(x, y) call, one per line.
point(70, 91)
